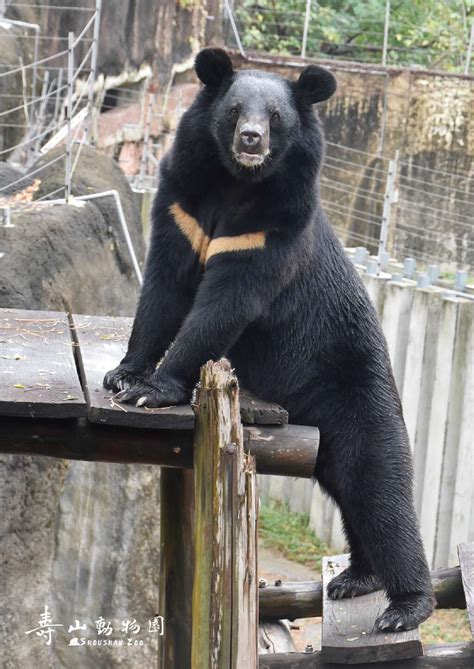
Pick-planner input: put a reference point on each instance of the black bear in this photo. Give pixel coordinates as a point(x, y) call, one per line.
point(243, 263)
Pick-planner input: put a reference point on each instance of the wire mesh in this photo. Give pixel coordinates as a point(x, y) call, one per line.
point(46, 93)
point(431, 35)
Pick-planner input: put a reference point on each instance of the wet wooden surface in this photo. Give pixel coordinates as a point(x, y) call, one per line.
point(348, 626)
point(102, 343)
point(38, 376)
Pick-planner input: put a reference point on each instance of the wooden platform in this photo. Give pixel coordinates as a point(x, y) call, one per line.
point(51, 369)
point(38, 375)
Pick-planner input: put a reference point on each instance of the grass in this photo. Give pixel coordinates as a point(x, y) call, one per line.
point(446, 626)
point(290, 535)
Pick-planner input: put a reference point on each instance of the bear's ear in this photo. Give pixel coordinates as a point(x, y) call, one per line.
point(315, 84)
point(213, 66)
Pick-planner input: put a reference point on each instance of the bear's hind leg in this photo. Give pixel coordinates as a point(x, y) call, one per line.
point(359, 578)
point(377, 499)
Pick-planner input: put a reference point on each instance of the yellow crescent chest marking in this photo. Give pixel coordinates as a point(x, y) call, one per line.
point(206, 247)
point(191, 230)
point(249, 241)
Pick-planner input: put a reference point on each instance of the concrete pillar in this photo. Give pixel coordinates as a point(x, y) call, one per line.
point(321, 515)
point(299, 495)
point(395, 320)
point(337, 541)
point(376, 286)
point(419, 376)
point(457, 477)
point(438, 424)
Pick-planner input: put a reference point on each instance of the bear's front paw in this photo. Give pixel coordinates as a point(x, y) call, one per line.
point(405, 612)
point(154, 394)
point(122, 378)
point(351, 583)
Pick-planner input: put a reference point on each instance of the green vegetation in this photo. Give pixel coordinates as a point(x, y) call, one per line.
point(290, 534)
point(429, 33)
point(446, 626)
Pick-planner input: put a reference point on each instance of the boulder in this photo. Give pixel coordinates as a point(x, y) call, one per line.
point(79, 537)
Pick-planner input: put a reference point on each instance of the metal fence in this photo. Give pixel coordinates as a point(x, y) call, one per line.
point(398, 209)
point(46, 102)
point(372, 33)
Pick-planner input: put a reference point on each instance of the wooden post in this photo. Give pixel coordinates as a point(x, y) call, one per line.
point(224, 611)
point(176, 566)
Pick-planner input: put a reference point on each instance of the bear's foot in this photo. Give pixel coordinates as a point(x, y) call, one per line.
point(352, 583)
point(154, 394)
point(122, 378)
point(405, 612)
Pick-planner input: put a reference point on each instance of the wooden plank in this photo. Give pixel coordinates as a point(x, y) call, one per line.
point(348, 636)
point(466, 562)
point(256, 411)
point(442, 656)
point(38, 376)
point(304, 599)
point(225, 576)
point(102, 344)
point(176, 566)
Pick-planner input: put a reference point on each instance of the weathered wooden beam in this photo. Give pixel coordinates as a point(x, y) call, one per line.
point(303, 599)
point(442, 656)
point(224, 613)
point(176, 566)
point(289, 450)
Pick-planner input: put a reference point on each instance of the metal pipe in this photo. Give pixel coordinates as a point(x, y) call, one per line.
point(387, 206)
point(307, 17)
point(469, 50)
point(146, 138)
point(385, 32)
point(234, 28)
point(70, 73)
point(123, 223)
point(95, 50)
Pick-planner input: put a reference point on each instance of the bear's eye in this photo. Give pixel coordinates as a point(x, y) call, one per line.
point(275, 116)
point(233, 111)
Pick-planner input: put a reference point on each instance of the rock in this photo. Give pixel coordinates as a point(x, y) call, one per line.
point(79, 537)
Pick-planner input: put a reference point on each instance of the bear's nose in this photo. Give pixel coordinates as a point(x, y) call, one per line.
point(251, 136)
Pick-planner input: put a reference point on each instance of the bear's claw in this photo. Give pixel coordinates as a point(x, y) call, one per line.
point(405, 613)
point(351, 583)
point(119, 379)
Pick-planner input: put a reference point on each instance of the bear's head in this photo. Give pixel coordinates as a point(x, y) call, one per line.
point(255, 116)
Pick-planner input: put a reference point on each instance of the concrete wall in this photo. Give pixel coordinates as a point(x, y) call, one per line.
point(430, 338)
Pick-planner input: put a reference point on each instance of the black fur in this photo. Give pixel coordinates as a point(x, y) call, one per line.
point(293, 317)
